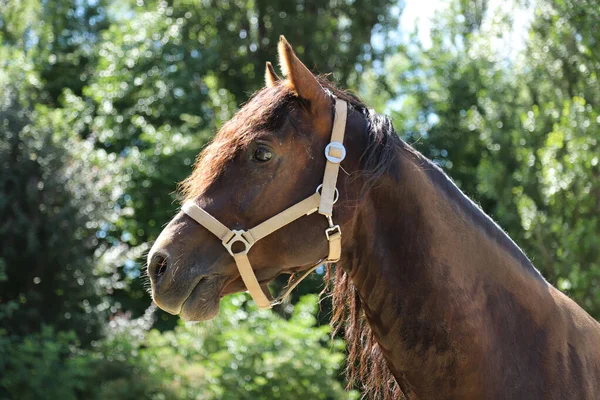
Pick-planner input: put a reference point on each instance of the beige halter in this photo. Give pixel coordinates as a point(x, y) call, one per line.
point(322, 202)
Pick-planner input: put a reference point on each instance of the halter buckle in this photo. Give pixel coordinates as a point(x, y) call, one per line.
point(335, 229)
point(335, 152)
point(238, 236)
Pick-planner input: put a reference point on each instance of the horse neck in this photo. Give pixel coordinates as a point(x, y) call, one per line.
point(432, 281)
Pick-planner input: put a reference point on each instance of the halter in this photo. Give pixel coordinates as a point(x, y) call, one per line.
point(322, 201)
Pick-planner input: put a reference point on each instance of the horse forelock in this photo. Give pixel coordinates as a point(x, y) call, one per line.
point(263, 112)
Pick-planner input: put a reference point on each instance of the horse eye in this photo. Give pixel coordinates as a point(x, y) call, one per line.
point(262, 154)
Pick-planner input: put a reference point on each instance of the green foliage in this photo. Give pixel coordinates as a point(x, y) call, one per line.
point(7, 308)
point(104, 105)
point(243, 354)
point(46, 365)
point(52, 195)
point(251, 354)
point(563, 229)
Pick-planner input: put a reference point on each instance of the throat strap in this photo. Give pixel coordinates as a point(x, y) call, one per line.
point(239, 242)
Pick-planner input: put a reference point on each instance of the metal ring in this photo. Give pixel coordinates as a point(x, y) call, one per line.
point(336, 194)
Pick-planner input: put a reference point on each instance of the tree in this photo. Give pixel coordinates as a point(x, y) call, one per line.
point(516, 130)
point(53, 193)
point(562, 223)
point(105, 106)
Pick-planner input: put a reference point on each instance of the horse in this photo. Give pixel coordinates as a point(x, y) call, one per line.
point(434, 299)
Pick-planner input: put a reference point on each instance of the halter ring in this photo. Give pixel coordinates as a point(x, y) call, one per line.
point(336, 195)
point(238, 237)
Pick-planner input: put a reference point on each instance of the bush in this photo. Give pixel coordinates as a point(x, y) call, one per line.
point(53, 198)
point(47, 365)
point(243, 354)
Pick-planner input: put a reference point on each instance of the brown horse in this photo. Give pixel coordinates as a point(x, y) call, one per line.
point(438, 302)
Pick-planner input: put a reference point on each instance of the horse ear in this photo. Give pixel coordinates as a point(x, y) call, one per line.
point(271, 77)
point(300, 79)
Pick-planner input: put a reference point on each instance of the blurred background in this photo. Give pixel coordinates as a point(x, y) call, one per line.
point(104, 105)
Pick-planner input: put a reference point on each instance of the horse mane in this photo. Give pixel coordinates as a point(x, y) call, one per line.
point(266, 110)
point(366, 367)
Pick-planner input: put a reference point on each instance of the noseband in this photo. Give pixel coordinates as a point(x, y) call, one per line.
point(322, 201)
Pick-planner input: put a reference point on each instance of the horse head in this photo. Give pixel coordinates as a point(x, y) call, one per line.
point(266, 159)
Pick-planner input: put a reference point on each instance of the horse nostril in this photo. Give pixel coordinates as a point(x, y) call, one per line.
point(162, 267)
point(158, 266)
